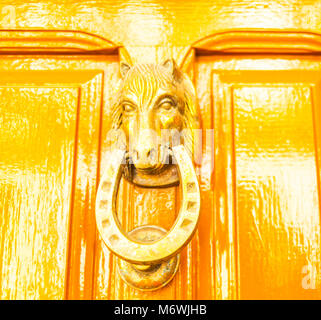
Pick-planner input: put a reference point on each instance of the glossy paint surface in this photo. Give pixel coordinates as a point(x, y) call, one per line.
point(153, 30)
point(266, 240)
point(50, 122)
point(31, 163)
point(259, 233)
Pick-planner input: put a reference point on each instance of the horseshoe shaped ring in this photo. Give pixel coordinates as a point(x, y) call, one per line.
point(168, 244)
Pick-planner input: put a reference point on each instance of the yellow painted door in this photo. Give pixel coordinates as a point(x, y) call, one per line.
point(52, 95)
point(264, 186)
point(256, 70)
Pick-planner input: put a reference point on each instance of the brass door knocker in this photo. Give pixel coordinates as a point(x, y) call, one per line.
point(151, 97)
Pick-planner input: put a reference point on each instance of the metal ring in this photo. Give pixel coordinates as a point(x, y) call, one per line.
point(178, 236)
point(156, 275)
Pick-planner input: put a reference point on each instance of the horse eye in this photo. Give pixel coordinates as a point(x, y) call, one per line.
point(166, 105)
point(128, 108)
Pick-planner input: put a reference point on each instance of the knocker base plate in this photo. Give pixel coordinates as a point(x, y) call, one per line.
point(148, 277)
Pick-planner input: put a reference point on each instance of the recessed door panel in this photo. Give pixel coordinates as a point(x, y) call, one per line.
point(51, 109)
point(37, 155)
point(265, 180)
point(277, 192)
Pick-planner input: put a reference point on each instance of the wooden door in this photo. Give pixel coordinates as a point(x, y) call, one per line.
point(263, 104)
point(53, 89)
point(256, 70)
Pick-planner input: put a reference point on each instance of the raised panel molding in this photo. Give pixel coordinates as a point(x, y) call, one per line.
point(58, 41)
point(36, 61)
point(252, 41)
point(219, 82)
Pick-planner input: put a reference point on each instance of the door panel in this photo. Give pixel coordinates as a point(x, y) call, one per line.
point(41, 140)
point(50, 125)
point(277, 192)
point(33, 160)
point(265, 183)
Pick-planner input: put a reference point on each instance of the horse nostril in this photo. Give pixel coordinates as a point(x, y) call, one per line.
point(151, 154)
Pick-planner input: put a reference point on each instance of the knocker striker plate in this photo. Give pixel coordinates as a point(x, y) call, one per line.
point(148, 277)
point(154, 252)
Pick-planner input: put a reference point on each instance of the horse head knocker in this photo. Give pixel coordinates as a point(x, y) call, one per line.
point(155, 110)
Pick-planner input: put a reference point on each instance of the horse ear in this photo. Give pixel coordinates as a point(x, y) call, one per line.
point(172, 68)
point(124, 68)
